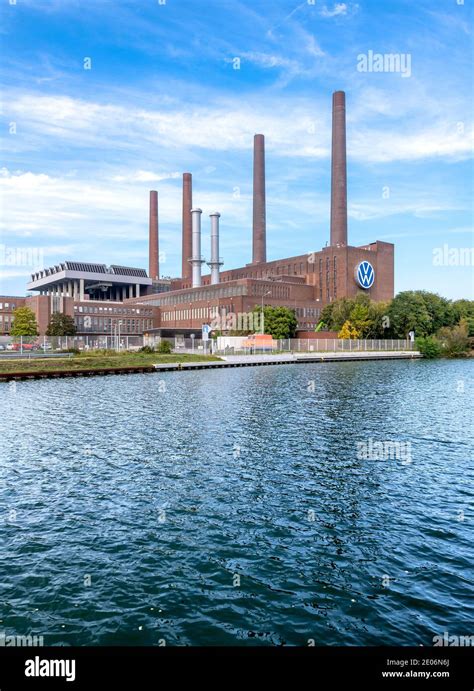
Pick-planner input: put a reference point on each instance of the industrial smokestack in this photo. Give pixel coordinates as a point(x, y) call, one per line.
point(338, 171)
point(215, 262)
point(197, 260)
point(187, 226)
point(153, 268)
point(259, 212)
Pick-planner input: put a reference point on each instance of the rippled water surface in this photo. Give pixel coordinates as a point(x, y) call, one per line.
point(134, 505)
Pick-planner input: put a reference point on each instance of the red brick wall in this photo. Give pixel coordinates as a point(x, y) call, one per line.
point(40, 304)
point(307, 267)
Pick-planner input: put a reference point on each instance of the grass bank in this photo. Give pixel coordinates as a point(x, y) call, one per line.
point(97, 361)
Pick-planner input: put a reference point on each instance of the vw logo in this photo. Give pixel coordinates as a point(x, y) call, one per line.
point(365, 275)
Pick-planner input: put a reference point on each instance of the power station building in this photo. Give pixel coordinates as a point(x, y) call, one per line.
point(144, 303)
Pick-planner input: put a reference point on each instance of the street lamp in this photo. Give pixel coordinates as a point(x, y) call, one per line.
point(269, 292)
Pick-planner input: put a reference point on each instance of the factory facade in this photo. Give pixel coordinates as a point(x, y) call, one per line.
point(99, 297)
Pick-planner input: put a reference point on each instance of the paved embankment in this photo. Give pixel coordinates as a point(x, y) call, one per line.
point(229, 361)
point(290, 359)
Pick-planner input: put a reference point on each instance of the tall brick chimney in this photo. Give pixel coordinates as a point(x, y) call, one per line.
point(186, 271)
point(153, 269)
point(338, 171)
point(259, 211)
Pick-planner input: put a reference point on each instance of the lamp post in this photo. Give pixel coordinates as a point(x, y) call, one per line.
point(319, 313)
point(269, 292)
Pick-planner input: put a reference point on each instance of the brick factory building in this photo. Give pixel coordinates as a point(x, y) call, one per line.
point(99, 297)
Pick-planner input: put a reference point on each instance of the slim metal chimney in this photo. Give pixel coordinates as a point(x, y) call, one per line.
point(186, 270)
point(215, 262)
point(338, 171)
point(196, 260)
point(259, 212)
point(153, 268)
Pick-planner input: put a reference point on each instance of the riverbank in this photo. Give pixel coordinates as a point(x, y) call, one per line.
point(133, 363)
point(83, 365)
point(288, 359)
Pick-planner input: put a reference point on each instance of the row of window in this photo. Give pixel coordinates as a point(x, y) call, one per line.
point(105, 324)
point(308, 312)
point(199, 296)
point(328, 279)
point(277, 291)
point(89, 309)
point(280, 270)
point(209, 313)
point(7, 306)
point(180, 315)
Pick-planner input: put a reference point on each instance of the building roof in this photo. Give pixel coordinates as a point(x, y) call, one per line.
point(90, 272)
point(128, 271)
point(89, 267)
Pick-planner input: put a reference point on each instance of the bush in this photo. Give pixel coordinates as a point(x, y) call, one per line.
point(455, 340)
point(164, 348)
point(470, 326)
point(147, 349)
point(428, 346)
point(76, 351)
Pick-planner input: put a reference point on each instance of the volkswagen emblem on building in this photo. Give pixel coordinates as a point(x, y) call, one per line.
point(365, 275)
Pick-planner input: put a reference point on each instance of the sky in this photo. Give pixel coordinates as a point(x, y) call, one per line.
point(103, 100)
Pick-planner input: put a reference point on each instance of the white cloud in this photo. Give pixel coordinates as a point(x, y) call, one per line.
point(439, 140)
point(408, 205)
point(340, 8)
point(223, 126)
point(267, 60)
point(313, 48)
point(145, 176)
point(291, 129)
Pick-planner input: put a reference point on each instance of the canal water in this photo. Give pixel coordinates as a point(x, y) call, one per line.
point(240, 507)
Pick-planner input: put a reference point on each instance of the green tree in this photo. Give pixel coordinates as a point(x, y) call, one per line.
point(379, 321)
point(464, 309)
point(359, 318)
point(341, 313)
point(440, 310)
point(408, 312)
point(280, 322)
point(61, 325)
point(326, 315)
point(24, 322)
point(336, 313)
point(412, 310)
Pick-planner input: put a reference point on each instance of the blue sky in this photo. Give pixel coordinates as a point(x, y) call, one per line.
point(82, 147)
